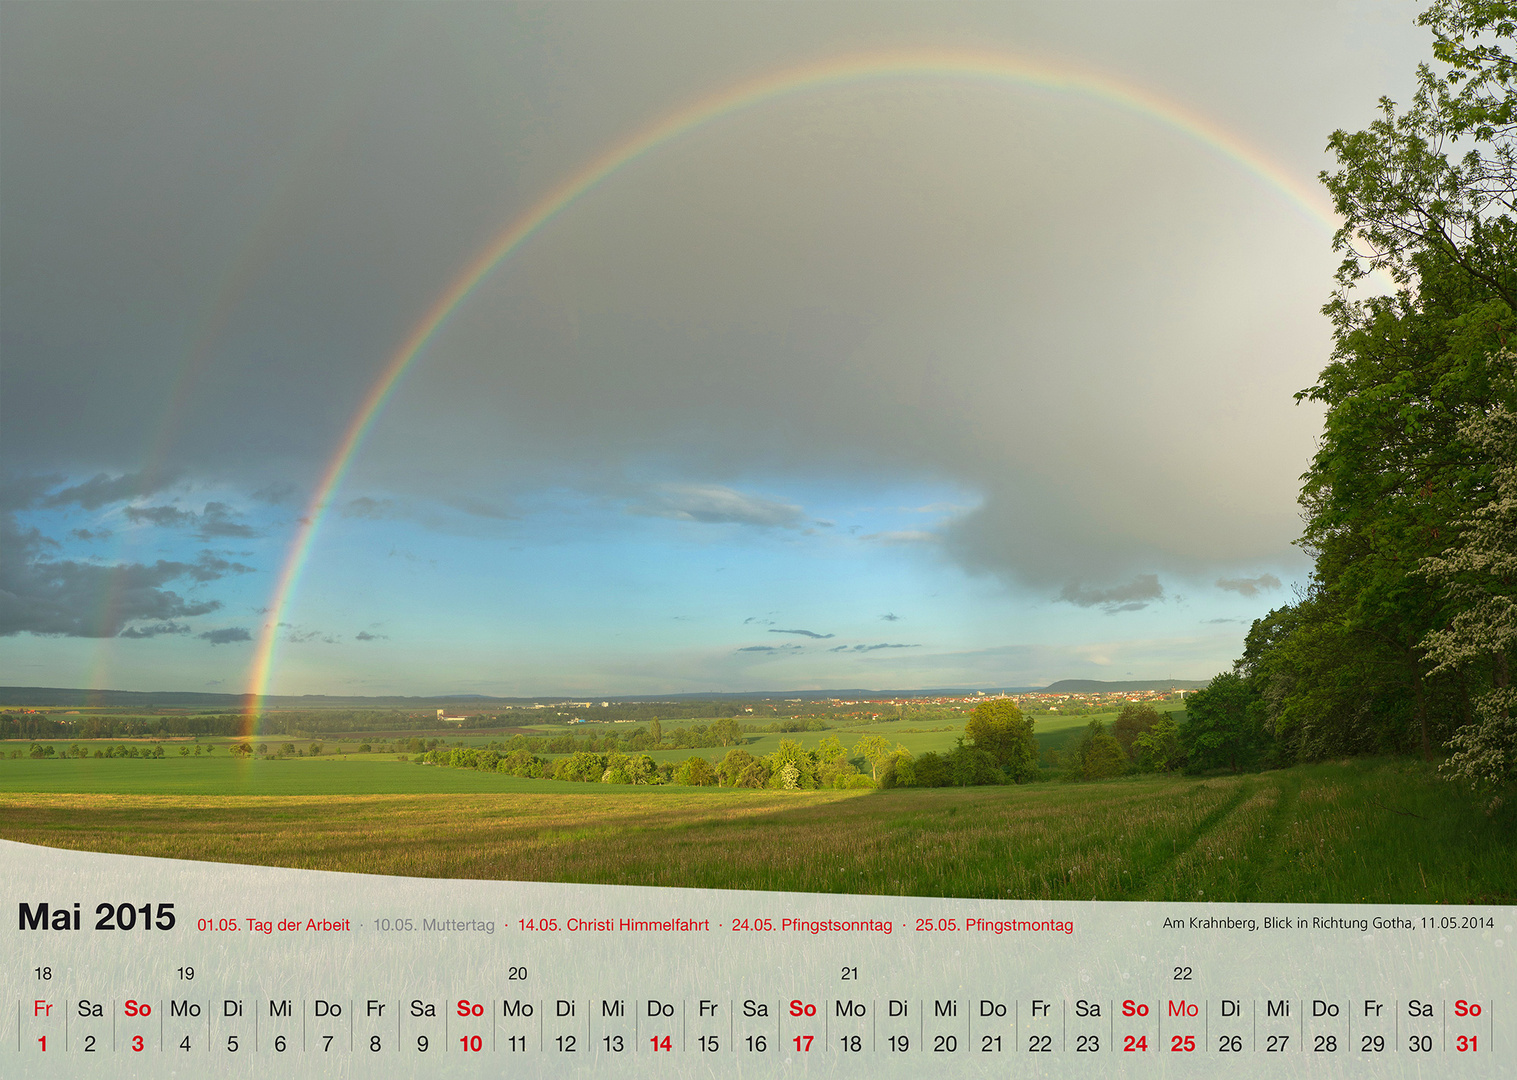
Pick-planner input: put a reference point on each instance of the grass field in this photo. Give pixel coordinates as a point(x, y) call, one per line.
point(1379, 831)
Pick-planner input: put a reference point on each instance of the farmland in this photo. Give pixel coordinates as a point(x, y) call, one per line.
point(1368, 830)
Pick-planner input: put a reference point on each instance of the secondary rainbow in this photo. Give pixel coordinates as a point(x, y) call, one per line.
point(896, 64)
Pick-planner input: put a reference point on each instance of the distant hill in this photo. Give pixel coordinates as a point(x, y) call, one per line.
point(64, 698)
point(1091, 686)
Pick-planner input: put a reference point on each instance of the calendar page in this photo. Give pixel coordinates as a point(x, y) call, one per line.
point(124, 966)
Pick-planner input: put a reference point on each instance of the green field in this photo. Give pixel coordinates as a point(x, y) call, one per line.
point(917, 735)
point(1370, 830)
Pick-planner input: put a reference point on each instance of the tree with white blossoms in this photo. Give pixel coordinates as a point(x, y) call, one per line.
point(1479, 574)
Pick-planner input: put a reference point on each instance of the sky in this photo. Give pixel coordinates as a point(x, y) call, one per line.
point(528, 349)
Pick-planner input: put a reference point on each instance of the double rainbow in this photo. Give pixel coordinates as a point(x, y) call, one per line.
point(951, 64)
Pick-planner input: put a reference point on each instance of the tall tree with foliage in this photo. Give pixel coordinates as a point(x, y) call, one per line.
point(1223, 726)
point(999, 728)
point(1344, 670)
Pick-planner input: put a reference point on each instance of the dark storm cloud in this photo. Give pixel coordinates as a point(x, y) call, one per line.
point(1133, 596)
point(227, 636)
point(20, 490)
point(42, 595)
point(714, 504)
point(1250, 586)
point(242, 209)
point(154, 630)
point(805, 633)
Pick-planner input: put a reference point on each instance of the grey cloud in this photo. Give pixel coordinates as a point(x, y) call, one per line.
point(227, 636)
point(216, 521)
point(1250, 586)
point(19, 491)
point(890, 617)
point(870, 648)
point(755, 619)
point(771, 648)
point(102, 490)
point(154, 630)
point(303, 636)
point(210, 567)
point(162, 516)
point(364, 635)
point(90, 534)
point(1133, 596)
point(713, 504)
point(42, 595)
point(805, 633)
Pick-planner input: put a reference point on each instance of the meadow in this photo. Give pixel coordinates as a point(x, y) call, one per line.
point(918, 735)
point(1346, 832)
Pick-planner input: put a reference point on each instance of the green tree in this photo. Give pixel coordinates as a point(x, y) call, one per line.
point(732, 767)
point(726, 732)
point(1402, 196)
point(1393, 473)
point(999, 728)
point(791, 766)
point(874, 749)
point(1158, 748)
point(931, 770)
point(1134, 719)
point(969, 766)
point(696, 771)
point(1097, 755)
point(1223, 726)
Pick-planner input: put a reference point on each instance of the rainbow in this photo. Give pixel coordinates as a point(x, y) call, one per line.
point(930, 63)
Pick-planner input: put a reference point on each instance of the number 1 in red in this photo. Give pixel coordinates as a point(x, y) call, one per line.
point(43, 1040)
point(662, 1042)
point(803, 1042)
